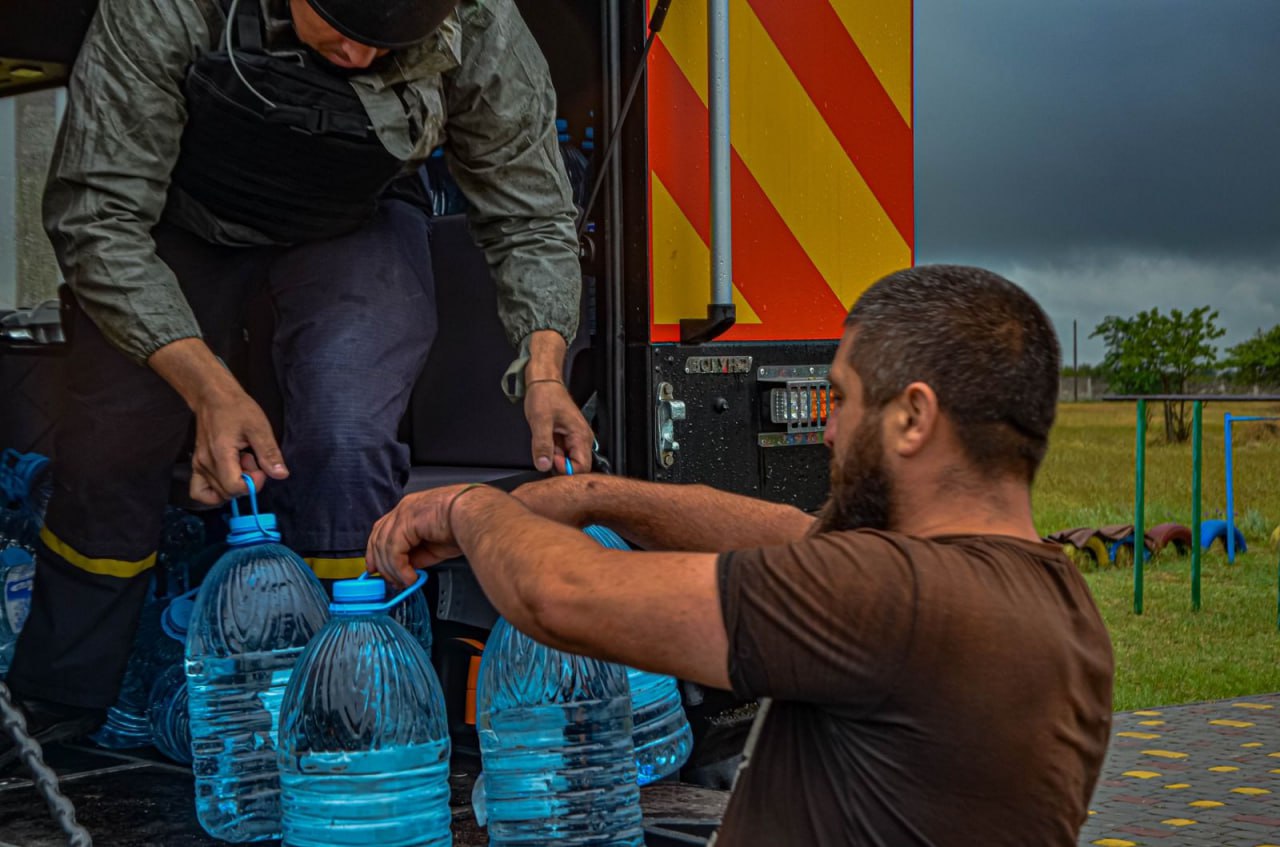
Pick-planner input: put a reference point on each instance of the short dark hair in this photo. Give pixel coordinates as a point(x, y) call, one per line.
point(980, 342)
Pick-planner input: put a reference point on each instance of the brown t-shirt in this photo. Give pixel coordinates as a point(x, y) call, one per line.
point(944, 691)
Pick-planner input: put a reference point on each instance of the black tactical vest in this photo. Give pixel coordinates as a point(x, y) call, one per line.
point(291, 153)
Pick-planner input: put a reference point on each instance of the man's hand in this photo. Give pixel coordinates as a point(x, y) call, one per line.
point(558, 427)
point(228, 422)
point(414, 535)
point(227, 426)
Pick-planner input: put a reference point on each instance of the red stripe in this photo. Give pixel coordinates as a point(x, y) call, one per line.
point(770, 268)
point(840, 82)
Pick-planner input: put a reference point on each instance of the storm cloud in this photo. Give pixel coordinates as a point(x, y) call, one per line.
point(1109, 155)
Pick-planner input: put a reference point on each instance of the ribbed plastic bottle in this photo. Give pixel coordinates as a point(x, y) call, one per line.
point(17, 574)
point(663, 738)
point(26, 482)
point(167, 715)
point(126, 726)
point(364, 740)
point(555, 742)
point(414, 614)
point(575, 164)
point(258, 608)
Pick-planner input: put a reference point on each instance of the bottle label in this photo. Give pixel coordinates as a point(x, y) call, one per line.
point(17, 595)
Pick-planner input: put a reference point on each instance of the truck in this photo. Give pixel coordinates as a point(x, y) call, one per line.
point(754, 161)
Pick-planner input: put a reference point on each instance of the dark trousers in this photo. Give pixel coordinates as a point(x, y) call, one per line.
point(354, 320)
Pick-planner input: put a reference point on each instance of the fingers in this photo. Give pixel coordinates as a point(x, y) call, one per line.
point(266, 450)
point(542, 425)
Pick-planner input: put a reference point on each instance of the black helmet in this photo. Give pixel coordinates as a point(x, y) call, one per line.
point(390, 24)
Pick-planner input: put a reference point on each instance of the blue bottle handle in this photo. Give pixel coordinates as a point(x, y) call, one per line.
point(388, 605)
point(253, 505)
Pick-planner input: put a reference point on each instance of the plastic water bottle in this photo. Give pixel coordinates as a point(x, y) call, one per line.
point(182, 537)
point(663, 738)
point(414, 614)
point(127, 726)
point(26, 482)
point(257, 609)
point(555, 741)
point(575, 164)
point(17, 573)
point(446, 197)
point(167, 715)
point(364, 741)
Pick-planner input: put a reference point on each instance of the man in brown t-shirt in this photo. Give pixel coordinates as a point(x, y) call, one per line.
point(933, 673)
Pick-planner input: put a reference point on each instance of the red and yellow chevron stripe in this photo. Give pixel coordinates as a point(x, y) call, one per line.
point(822, 162)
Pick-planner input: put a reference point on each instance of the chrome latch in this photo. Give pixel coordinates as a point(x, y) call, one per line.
point(667, 411)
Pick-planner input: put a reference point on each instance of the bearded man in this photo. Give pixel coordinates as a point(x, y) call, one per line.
point(934, 673)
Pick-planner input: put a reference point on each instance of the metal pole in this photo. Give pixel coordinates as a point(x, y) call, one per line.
point(1075, 361)
point(1196, 456)
point(721, 184)
point(1231, 494)
point(1139, 535)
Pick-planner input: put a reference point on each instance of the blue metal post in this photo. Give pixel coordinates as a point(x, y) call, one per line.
point(1231, 494)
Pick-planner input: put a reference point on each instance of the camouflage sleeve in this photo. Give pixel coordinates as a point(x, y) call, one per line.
point(503, 152)
point(110, 171)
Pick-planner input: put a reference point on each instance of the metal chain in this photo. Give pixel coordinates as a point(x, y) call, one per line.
point(46, 780)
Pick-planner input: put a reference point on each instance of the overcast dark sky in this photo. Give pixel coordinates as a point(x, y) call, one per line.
point(1108, 155)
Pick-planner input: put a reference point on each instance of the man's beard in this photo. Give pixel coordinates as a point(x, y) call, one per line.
point(861, 491)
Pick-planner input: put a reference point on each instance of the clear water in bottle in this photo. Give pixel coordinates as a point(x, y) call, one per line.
point(167, 715)
point(555, 740)
point(256, 611)
point(414, 614)
point(663, 738)
point(575, 163)
point(364, 740)
point(126, 726)
point(17, 573)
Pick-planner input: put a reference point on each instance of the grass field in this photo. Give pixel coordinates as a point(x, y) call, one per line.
point(1170, 654)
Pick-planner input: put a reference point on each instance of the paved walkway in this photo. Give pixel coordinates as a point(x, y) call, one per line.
point(1200, 774)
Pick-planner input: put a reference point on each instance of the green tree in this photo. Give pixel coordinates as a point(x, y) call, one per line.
point(1153, 353)
point(1258, 359)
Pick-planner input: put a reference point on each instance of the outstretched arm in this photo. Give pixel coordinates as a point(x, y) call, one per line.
point(655, 611)
point(658, 516)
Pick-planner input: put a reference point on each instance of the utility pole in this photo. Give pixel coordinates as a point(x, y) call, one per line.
point(1075, 362)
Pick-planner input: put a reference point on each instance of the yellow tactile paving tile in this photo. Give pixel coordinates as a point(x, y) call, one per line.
point(1250, 791)
point(1149, 713)
point(1179, 822)
point(1274, 755)
point(1259, 706)
point(1151, 723)
point(1164, 754)
point(1145, 736)
point(1224, 768)
point(1141, 774)
point(1236, 724)
point(1252, 744)
point(1115, 842)
point(1206, 804)
point(1177, 785)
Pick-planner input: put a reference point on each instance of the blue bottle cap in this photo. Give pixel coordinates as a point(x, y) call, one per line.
point(13, 556)
point(176, 618)
point(562, 125)
point(359, 591)
point(252, 529)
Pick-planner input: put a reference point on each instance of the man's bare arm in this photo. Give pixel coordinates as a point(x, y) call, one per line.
point(655, 611)
point(659, 516)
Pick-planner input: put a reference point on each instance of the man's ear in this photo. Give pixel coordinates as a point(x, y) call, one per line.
point(913, 422)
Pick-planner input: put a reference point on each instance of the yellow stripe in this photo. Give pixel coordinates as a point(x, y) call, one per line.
point(104, 567)
point(348, 568)
point(882, 31)
point(682, 265)
point(785, 142)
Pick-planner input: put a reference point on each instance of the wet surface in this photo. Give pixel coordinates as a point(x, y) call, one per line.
point(137, 799)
